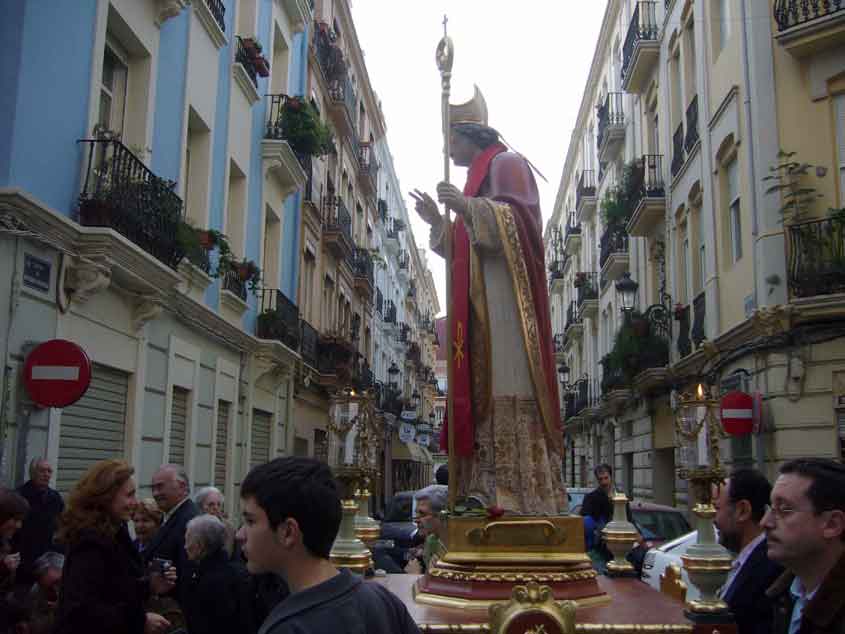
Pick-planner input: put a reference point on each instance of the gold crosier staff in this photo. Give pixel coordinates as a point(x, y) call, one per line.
point(444, 57)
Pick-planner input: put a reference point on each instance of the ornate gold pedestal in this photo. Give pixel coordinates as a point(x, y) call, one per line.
point(348, 551)
point(620, 535)
point(484, 559)
point(367, 529)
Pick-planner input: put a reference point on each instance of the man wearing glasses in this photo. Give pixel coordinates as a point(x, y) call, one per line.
point(805, 531)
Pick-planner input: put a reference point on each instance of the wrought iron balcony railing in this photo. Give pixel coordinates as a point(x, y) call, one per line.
point(337, 217)
point(569, 405)
point(816, 262)
point(218, 11)
point(558, 341)
point(279, 318)
point(613, 240)
point(572, 226)
point(329, 55)
point(583, 395)
point(573, 317)
point(310, 344)
point(404, 261)
point(643, 27)
point(369, 164)
point(362, 264)
point(342, 91)
point(233, 283)
point(790, 13)
point(698, 314)
point(586, 286)
point(692, 125)
point(678, 150)
point(389, 312)
point(649, 178)
point(310, 192)
point(277, 111)
point(684, 343)
point(246, 60)
point(121, 193)
point(610, 113)
point(556, 270)
point(586, 186)
point(382, 210)
point(379, 302)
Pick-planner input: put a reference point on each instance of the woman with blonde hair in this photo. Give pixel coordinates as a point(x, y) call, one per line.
point(146, 520)
point(103, 585)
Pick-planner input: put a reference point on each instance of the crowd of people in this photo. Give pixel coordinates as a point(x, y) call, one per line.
point(74, 567)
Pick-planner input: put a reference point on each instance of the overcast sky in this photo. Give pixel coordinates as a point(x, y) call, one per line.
point(530, 59)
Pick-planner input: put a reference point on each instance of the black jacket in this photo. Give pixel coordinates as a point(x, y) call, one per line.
point(823, 614)
point(103, 587)
point(39, 527)
point(343, 604)
point(216, 598)
point(169, 543)
point(746, 597)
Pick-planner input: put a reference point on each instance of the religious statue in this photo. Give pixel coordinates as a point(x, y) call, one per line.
point(507, 431)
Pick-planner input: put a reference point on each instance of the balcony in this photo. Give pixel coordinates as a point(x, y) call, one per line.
point(572, 236)
point(309, 344)
point(816, 258)
point(368, 168)
point(279, 159)
point(233, 283)
point(585, 196)
point(649, 197)
point(391, 239)
point(403, 266)
point(279, 318)
point(363, 272)
point(678, 150)
point(247, 60)
point(568, 406)
point(642, 49)
point(611, 126)
point(574, 328)
point(390, 312)
point(808, 27)
point(218, 12)
point(379, 302)
point(381, 207)
point(587, 293)
point(556, 268)
point(691, 138)
point(613, 253)
point(342, 96)
point(337, 228)
point(559, 344)
point(121, 193)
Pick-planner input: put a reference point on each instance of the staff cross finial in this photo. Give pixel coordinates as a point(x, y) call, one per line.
point(445, 22)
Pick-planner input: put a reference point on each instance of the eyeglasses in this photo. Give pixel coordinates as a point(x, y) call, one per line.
point(783, 511)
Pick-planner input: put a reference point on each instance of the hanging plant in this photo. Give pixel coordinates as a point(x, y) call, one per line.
point(303, 129)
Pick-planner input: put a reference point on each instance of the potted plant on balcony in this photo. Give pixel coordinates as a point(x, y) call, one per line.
point(303, 129)
point(249, 273)
point(252, 46)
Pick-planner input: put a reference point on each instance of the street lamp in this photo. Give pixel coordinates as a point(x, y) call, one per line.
point(626, 291)
point(563, 374)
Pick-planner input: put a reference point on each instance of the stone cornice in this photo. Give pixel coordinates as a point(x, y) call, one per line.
point(280, 161)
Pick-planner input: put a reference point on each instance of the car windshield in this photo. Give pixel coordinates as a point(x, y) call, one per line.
point(663, 525)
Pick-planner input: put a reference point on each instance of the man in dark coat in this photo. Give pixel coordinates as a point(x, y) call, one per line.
point(45, 506)
point(597, 503)
point(291, 511)
point(805, 530)
point(740, 505)
point(171, 492)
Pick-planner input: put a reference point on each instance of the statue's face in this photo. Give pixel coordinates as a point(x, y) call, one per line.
point(461, 149)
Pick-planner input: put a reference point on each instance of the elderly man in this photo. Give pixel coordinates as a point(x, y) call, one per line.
point(430, 501)
point(171, 492)
point(45, 506)
point(210, 500)
point(216, 597)
point(740, 505)
point(805, 531)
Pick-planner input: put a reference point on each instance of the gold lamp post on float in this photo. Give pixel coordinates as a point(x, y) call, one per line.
point(353, 456)
point(707, 562)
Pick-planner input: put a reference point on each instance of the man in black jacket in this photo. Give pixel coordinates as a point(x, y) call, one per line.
point(597, 503)
point(291, 511)
point(39, 526)
point(740, 505)
point(171, 491)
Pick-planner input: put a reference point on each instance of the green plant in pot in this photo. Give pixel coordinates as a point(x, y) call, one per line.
point(303, 129)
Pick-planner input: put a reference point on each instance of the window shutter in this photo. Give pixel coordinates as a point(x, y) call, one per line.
point(839, 112)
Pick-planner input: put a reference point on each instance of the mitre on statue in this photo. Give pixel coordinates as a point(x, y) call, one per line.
point(473, 111)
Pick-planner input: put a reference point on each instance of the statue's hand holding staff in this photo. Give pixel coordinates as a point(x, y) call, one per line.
point(452, 197)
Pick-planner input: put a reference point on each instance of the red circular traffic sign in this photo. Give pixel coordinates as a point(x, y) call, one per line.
point(738, 413)
point(57, 373)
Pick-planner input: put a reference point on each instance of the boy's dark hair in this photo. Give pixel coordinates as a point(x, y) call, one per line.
point(303, 489)
point(441, 476)
point(827, 482)
point(483, 136)
point(751, 485)
point(603, 468)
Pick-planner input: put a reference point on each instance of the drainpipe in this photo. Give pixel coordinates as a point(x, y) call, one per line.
point(746, 78)
point(6, 379)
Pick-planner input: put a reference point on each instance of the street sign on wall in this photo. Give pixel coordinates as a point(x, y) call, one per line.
point(407, 431)
point(738, 413)
point(57, 373)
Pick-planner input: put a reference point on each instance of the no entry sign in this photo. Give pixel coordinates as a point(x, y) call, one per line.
point(738, 413)
point(57, 373)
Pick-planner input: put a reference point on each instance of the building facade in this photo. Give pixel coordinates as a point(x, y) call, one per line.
point(665, 184)
point(175, 221)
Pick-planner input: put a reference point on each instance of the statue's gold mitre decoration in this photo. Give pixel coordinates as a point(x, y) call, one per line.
point(473, 111)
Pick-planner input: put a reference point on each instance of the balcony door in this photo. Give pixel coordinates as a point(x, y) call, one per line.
point(113, 88)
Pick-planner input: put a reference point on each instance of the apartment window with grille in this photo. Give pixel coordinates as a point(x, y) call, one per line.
point(113, 88)
point(839, 112)
point(734, 208)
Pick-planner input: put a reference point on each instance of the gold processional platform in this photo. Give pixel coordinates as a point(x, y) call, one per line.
point(530, 575)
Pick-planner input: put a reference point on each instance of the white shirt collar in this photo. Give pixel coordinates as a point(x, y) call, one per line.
point(170, 513)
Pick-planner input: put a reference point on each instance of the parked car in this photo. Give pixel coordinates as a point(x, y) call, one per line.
point(658, 523)
point(658, 559)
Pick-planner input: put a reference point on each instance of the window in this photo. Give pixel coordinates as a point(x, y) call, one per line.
point(724, 18)
point(702, 252)
point(839, 112)
point(734, 210)
point(688, 290)
point(113, 89)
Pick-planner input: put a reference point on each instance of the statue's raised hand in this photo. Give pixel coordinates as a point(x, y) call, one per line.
point(425, 206)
